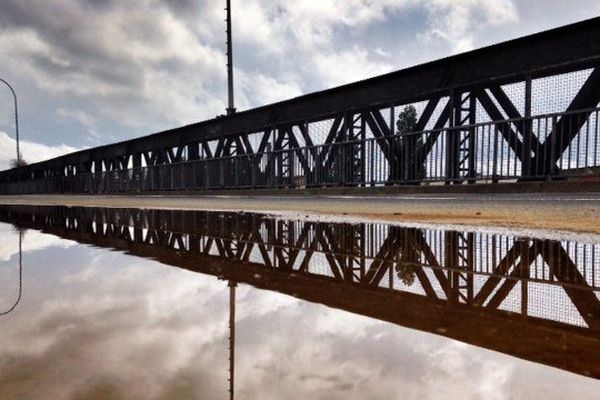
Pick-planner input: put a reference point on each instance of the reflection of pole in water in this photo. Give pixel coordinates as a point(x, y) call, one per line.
point(232, 285)
point(20, 275)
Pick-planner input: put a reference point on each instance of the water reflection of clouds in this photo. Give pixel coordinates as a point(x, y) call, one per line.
point(34, 240)
point(100, 324)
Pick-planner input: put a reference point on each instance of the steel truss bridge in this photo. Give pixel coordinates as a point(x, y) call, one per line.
point(520, 110)
point(535, 299)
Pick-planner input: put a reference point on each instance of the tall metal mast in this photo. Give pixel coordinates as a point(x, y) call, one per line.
point(231, 106)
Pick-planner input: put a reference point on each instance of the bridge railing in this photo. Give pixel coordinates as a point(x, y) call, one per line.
point(553, 146)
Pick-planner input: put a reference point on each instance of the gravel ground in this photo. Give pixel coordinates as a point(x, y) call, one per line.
point(565, 212)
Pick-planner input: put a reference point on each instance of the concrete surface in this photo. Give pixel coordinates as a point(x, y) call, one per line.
point(556, 211)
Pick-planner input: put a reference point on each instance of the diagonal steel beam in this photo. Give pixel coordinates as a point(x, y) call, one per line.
point(507, 262)
point(328, 244)
point(329, 153)
point(295, 147)
point(512, 113)
point(521, 270)
point(381, 133)
point(207, 151)
point(568, 126)
point(510, 136)
point(422, 246)
point(308, 254)
point(334, 131)
point(435, 133)
point(407, 153)
point(564, 269)
point(427, 113)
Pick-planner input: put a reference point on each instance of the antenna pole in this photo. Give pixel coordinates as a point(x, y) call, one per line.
point(231, 107)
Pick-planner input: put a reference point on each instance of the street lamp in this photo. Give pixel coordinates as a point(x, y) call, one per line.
point(16, 120)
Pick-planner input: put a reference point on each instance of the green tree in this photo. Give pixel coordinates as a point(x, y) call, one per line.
point(406, 273)
point(407, 120)
point(411, 145)
point(14, 163)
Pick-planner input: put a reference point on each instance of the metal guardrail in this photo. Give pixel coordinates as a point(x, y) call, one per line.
point(561, 145)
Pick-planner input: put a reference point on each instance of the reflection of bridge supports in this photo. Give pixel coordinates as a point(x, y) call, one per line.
point(346, 246)
point(565, 270)
point(284, 240)
point(459, 252)
point(451, 257)
point(219, 244)
point(356, 259)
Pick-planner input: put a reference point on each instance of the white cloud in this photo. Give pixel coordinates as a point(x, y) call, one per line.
point(32, 241)
point(458, 22)
point(32, 152)
point(57, 75)
point(137, 66)
point(314, 22)
point(84, 119)
point(259, 88)
point(356, 65)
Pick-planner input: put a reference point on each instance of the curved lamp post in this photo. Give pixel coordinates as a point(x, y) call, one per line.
point(16, 119)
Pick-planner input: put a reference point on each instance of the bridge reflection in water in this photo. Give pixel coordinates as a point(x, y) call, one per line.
point(536, 299)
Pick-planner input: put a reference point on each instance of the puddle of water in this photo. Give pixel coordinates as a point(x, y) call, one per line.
point(320, 309)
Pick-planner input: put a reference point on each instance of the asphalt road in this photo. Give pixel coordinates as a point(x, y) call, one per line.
point(570, 212)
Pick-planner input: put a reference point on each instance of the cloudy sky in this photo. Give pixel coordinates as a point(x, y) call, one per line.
point(89, 72)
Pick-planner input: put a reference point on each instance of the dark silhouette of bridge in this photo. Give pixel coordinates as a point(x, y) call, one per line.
point(535, 299)
point(526, 109)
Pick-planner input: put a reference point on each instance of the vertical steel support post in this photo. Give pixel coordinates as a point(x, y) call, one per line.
point(526, 167)
point(453, 137)
point(472, 140)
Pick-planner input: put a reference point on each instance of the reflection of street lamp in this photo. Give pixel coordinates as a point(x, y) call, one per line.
point(16, 120)
point(20, 275)
point(232, 285)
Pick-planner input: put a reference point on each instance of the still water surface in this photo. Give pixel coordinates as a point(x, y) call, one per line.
point(322, 310)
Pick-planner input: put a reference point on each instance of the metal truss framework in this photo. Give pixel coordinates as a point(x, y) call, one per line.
point(468, 130)
point(463, 277)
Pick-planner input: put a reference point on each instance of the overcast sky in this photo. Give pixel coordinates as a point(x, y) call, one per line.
point(90, 72)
